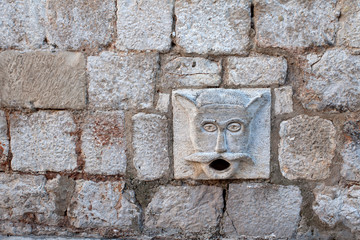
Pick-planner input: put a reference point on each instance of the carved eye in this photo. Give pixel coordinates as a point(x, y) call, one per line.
point(234, 127)
point(209, 127)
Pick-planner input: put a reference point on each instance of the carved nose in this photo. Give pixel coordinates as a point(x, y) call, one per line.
point(221, 143)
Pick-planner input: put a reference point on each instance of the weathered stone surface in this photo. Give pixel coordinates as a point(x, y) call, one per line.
point(349, 30)
point(125, 80)
point(215, 27)
point(332, 82)
point(338, 204)
point(221, 133)
point(190, 72)
point(307, 146)
point(103, 204)
point(144, 25)
point(43, 141)
point(283, 100)
point(4, 139)
point(256, 71)
point(150, 143)
point(103, 143)
point(295, 24)
point(255, 209)
point(185, 208)
point(74, 24)
point(28, 198)
point(351, 151)
point(163, 102)
point(42, 80)
point(22, 23)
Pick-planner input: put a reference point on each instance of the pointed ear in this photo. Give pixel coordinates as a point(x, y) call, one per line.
point(254, 105)
point(187, 103)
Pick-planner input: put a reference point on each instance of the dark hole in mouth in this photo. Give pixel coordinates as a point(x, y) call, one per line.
point(220, 164)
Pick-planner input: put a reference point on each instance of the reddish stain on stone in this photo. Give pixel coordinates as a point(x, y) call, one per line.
point(107, 131)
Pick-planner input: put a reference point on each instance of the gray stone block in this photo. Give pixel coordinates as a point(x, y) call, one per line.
point(42, 80)
point(255, 71)
point(104, 143)
point(218, 27)
point(144, 25)
point(351, 151)
point(43, 141)
point(307, 147)
point(122, 81)
point(150, 144)
point(283, 100)
point(4, 139)
point(221, 133)
point(295, 24)
point(260, 209)
point(103, 204)
point(185, 209)
point(349, 27)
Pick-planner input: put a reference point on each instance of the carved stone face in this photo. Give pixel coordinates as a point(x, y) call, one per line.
point(213, 133)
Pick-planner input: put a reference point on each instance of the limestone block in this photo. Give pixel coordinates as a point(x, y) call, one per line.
point(349, 29)
point(338, 204)
point(307, 147)
point(221, 133)
point(255, 71)
point(22, 24)
point(163, 102)
point(185, 208)
point(295, 24)
point(150, 144)
point(4, 139)
point(283, 100)
point(214, 27)
point(103, 204)
point(42, 80)
point(260, 209)
point(75, 24)
point(28, 197)
point(351, 151)
point(122, 81)
point(43, 141)
point(144, 25)
point(332, 82)
point(190, 72)
point(103, 143)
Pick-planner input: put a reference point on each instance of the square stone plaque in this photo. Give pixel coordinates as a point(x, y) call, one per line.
point(221, 133)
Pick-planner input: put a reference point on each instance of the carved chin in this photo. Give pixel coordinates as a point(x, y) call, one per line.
point(220, 168)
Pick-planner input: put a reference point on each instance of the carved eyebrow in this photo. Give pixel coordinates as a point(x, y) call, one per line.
point(236, 120)
point(207, 121)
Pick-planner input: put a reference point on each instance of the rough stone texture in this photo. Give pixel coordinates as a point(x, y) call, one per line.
point(215, 27)
point(190, 72)
point(103, 143)
point(185, 208)
point(42, 80)
point(28, 198)
point(4, 139)
point(332, 82)
point(124, 80)
point(103, 204)
point(295, 24)
point(307, 146)
point(144, 25)
point(283, 100)
point(334, 204)
point(349, 31)
point(351, 151)
point(257, 209)
point(150, 143)
point(74, 24)
point(43, 141)
point(247, 150)
point(163, 102)
point(255, 71)
point(22, 23)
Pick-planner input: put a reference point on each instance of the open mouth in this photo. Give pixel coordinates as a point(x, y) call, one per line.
point(219, 164)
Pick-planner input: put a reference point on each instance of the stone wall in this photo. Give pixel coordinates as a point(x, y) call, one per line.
point(93, 138)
